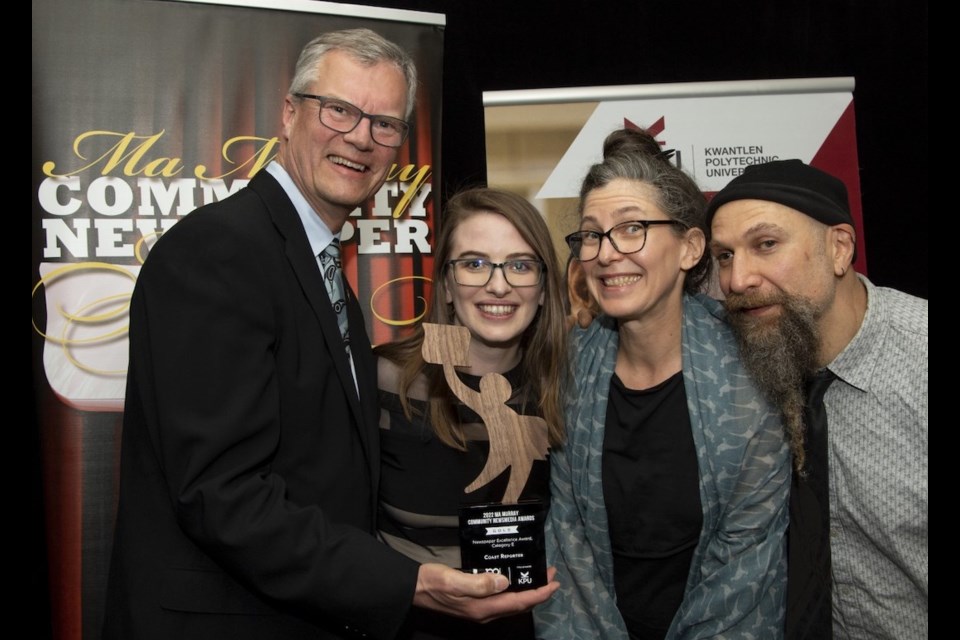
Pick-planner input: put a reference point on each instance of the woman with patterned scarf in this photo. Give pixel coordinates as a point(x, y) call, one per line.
point(669, 496)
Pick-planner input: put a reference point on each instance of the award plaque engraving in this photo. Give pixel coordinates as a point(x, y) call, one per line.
point(504, 537)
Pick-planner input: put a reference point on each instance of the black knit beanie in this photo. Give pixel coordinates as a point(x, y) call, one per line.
point(791, 183)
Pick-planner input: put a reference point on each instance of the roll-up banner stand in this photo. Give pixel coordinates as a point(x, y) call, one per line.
point(716, 129)
point(144, 110)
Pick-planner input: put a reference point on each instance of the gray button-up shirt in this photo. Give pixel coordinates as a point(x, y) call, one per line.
point(877, 416)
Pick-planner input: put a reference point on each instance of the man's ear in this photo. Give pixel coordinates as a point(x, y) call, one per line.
point(842, 241)
point(288, 116)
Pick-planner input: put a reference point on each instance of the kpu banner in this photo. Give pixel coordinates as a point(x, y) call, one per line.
point(717, 129)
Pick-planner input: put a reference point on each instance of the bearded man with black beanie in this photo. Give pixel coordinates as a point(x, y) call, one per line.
point(831, 348)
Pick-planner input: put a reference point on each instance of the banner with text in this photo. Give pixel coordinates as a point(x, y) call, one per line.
point(142, 112)
point(718, 129)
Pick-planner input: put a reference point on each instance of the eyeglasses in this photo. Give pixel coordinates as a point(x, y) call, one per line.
point(476, 272)
point(626, 237)
point(344, 117)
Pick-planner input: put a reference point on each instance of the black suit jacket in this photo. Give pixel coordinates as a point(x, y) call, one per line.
point(249, 466)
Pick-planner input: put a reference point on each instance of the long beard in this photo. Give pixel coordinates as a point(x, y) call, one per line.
point(780, 353)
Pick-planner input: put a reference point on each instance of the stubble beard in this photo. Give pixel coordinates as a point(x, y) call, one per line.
point(780, 354)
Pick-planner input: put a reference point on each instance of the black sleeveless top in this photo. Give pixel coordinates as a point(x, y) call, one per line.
point(651, 488)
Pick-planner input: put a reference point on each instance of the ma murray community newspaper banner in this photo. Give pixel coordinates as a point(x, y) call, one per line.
point(716, 129)
point(144, 110)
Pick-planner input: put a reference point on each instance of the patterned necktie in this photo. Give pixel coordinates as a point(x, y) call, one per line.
point(333, 279)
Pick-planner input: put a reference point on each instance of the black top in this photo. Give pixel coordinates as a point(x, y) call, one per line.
point(651, 487)
point(422, 489)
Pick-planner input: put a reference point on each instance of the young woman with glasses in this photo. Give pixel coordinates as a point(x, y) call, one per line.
point(669, 496)
point(495, 273)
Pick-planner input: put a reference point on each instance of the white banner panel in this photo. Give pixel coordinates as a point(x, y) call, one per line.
point(716, 129)
point(714, 137)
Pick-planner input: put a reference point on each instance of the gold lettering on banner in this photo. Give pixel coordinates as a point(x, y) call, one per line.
point(408, 174)
point(128, 153)
point(400, 322)
point(261, 157)
point(99, 313)
point(128, 150)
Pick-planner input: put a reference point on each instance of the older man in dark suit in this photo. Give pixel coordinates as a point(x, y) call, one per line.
point(250, 458)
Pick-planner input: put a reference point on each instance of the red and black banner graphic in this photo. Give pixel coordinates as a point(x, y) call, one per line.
point(142, 112)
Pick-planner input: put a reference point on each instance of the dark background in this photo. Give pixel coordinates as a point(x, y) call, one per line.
point(525, 44)
point(492, 45)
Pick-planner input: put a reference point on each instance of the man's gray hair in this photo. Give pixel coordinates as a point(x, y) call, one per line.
point(363, 45)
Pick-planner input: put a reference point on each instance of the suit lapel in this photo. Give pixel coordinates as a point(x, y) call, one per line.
point(307, 271)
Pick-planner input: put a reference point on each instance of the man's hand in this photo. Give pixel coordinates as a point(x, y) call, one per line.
point(478, 597)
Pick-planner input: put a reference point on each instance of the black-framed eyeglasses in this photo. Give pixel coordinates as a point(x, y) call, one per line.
point(476, 272)
point(626, 237)
point(344, 117)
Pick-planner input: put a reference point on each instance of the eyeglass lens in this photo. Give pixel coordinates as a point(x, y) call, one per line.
point(344, 117)
point(628, 237)
point(478, 272)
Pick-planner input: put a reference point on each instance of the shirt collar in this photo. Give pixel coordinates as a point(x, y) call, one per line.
point(318, 234)
point(857, 363)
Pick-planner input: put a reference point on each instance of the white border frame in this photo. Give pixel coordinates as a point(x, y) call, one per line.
point(667, 90)
point(335, 8)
